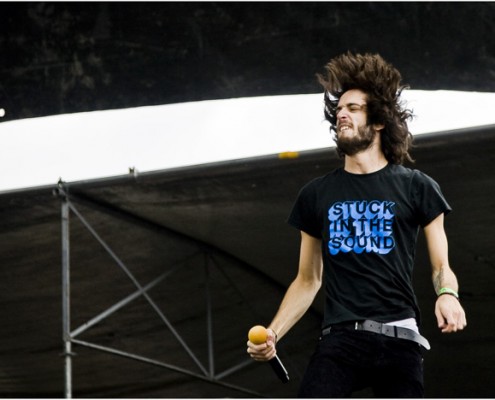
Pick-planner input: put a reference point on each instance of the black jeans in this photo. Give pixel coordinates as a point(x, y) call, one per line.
point(347, 361)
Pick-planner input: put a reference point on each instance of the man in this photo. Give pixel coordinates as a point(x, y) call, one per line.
point(359, 226)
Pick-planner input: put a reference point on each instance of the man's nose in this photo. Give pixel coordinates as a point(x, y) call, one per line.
point(342, 115)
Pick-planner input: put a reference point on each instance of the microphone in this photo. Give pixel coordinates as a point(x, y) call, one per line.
point(279, 369)
point(257, 335)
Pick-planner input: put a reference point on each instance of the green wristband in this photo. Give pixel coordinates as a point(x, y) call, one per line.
point(446, 290)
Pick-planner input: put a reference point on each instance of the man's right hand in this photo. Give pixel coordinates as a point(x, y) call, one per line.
point(265, 351)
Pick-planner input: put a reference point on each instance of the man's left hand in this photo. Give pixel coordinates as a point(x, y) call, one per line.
point(450, 314)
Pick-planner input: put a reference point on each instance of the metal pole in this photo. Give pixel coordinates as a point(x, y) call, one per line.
point(209, 318)
point(66, 298)
point(138, 285)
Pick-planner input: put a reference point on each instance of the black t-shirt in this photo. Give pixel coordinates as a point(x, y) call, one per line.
point(369, 226)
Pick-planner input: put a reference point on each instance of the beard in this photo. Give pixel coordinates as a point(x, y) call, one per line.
point(357, 143)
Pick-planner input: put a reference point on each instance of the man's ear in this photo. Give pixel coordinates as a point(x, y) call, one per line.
point(378, 127)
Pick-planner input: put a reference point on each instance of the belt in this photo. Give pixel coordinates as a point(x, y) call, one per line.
point(382, 329)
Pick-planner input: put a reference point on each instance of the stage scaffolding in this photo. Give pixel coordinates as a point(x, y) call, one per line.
point(70, 334)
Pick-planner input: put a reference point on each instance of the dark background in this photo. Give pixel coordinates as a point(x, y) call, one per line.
point(67, 57)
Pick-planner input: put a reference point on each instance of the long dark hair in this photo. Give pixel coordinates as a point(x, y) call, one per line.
point(382, 84)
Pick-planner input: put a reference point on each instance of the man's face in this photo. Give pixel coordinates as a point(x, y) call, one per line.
point(353, 133)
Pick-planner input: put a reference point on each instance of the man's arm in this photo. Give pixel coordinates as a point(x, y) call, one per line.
point(448, 310)
point(297, 299)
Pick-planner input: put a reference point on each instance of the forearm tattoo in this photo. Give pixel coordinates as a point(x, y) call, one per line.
point(438, 280)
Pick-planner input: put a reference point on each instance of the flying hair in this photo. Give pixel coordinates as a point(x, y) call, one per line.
point(381, 82)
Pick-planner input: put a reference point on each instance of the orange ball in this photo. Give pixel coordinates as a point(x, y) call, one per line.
point(258, 334)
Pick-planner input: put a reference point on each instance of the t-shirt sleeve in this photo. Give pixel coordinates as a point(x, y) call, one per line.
point(428, 199)
point(304, 214)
